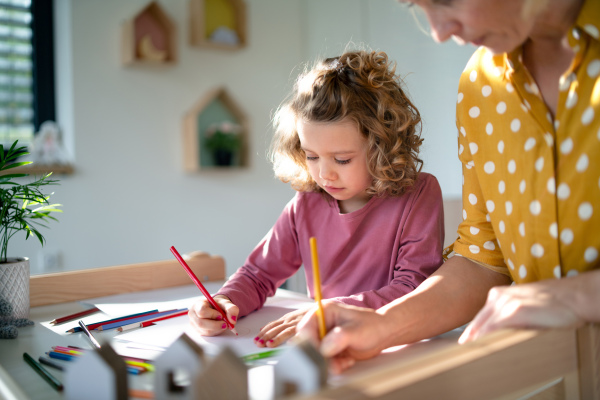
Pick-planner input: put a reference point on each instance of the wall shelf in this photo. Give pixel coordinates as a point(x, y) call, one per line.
point(218, 24)
point(149, 38)
point(215, 107)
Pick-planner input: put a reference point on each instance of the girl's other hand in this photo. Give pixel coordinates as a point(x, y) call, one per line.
point(208, 321)
point(277, 332)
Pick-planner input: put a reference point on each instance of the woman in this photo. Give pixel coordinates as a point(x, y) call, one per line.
point(528, 113)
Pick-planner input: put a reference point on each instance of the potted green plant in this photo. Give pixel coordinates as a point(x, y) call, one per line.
point(223, 140)
point(23, 208)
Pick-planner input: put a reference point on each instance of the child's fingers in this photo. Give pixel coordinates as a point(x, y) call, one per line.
point(231, 310)
point(205, 319)
point(202, 309)
point(277, 332)
point(282, 336)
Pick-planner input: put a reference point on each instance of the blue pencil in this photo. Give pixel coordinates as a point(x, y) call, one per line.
point(134, 320)
point(60, 356)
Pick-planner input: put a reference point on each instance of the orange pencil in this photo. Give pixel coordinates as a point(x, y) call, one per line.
point(317, 287)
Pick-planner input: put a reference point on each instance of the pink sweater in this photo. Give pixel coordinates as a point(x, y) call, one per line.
point(367, 258)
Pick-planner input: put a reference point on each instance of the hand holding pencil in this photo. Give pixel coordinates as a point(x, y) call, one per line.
point(227, 311)
point(208, 321)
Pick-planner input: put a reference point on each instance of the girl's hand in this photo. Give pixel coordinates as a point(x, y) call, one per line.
point(208, 321)
point(277, 332)
point(353, 333)
point(544, 304)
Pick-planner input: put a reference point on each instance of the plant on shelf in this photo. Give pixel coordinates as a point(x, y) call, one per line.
point(223, 139)
point(23, 207)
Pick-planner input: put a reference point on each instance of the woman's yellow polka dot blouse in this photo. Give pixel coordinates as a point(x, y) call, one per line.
point(531, 182)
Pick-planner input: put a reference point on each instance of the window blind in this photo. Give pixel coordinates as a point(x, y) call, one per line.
point(16, 78)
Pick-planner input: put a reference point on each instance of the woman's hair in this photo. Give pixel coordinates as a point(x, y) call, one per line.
point(357, 86)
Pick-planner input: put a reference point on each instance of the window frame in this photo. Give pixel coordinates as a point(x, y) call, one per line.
point(42, 41)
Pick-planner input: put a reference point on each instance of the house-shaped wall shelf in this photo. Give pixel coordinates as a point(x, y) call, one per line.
point(217, 24)
point(214, 109)
point(149, 37)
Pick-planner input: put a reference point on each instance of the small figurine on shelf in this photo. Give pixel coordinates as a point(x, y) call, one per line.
point(47, 147)
point(223, 139)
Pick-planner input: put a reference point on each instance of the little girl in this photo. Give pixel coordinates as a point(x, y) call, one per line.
point(347, 141)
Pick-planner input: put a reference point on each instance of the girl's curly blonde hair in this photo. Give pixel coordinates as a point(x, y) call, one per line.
point(362, 87)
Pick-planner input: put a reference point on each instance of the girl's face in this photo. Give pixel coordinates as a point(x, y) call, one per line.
point(495, 24)
point(336, 156)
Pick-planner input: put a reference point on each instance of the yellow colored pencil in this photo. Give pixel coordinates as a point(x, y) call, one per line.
point(317, 287)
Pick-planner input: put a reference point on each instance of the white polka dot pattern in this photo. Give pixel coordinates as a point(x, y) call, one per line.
point(531, 178)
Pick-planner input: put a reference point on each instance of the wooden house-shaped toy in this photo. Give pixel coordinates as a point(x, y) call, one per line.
point(176, 370)
point(213, 110)
point(217, 24)
point(300, 370)
point(225, 378)
point(99, 374)
point(149, 37)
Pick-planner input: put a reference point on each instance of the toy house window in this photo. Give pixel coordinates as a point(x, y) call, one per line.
point(26, 68)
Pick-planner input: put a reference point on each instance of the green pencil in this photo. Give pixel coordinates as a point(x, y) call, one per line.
point(259, 356)
point(55, 383)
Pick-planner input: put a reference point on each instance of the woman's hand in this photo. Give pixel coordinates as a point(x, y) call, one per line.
point(208, 321)
point(277, 332)
point(353, 334)
point(545, 304)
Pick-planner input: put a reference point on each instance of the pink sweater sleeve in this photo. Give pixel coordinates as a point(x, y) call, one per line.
point(420, 248)
point(260, 276)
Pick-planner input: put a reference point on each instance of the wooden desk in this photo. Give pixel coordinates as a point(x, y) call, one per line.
point(556, 364)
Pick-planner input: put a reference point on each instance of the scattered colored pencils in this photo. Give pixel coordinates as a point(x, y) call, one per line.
point(108, 321)
point(71, 317)
point(202, 288)
point(133, 367)
point(137, 320)
point(317, 287)
point(149, 322)
point(43, 372)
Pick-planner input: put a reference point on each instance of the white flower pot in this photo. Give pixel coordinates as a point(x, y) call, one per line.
point(14, 285)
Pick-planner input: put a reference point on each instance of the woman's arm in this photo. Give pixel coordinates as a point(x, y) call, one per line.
point(448, 299)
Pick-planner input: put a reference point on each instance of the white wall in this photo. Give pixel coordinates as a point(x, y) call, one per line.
point(129, 199)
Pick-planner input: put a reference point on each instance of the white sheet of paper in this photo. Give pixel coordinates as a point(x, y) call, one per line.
point(164, 333)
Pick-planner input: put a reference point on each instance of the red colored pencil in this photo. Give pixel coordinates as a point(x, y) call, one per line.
point(202, 288)
point(71, 317)
point(152, 321)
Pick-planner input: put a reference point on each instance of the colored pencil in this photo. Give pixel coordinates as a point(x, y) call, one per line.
point(60, 356)
point(132, 367)
point(108, 321)
point(89, 335)
point(128, 360)
point(78, 351)
point(50, 363)
point(43, 372)
point(149, 322)
point(71, 317)
point(138, 320)
point(202, 288)
point(259, 356)
point(317, 287)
